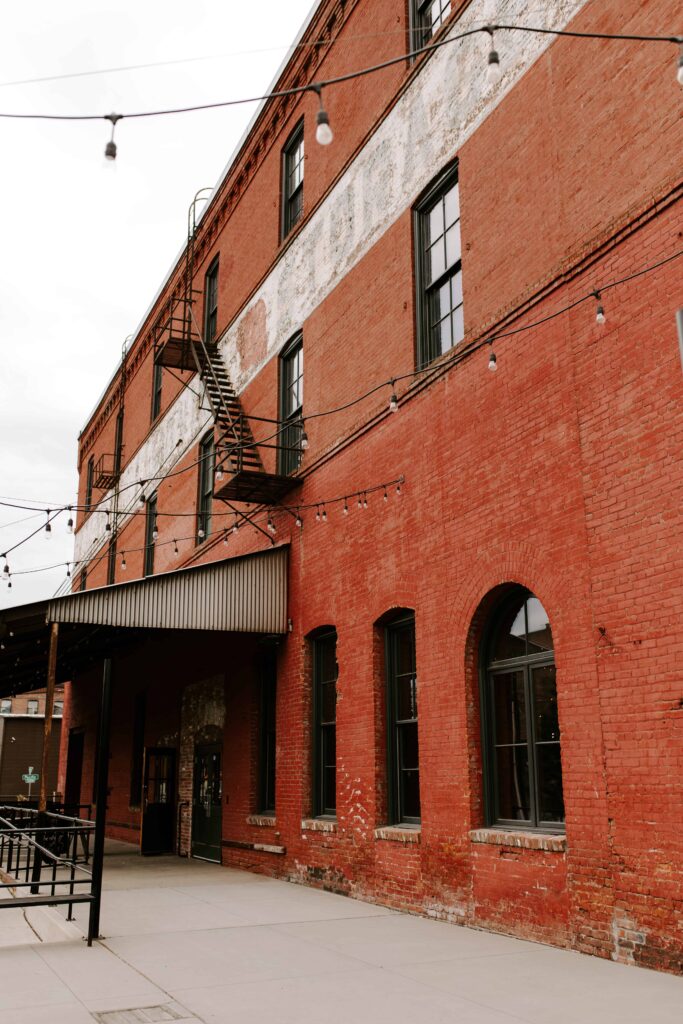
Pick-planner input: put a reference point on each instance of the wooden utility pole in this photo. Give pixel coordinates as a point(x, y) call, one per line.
point(49, 702)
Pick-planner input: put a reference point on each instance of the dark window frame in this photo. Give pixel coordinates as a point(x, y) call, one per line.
point(292, 205)
point(267, 740)
point(157, 385)
point(211, 302)
point(420, 30)
point(289, 450)
point(83, 582)
point(150, 523)
point(488, 670)
point(89, 480)
point(396, 726)
point(205, 483)
point(323, 729)
point(118, 443)
point(111, 562)
point(6, 706)
point(424, 288)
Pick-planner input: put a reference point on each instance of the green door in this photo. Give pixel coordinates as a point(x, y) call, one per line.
point(206, 803)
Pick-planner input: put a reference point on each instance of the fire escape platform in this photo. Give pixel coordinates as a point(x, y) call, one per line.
point(105, 473)
point(176, 353)
point(256, 487)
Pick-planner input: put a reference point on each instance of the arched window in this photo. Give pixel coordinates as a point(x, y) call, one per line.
point(523, 770)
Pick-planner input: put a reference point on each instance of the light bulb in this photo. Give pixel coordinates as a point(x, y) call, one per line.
point(304, 441)
point(398, 488)
point(226, 537)
point(600, 315)
point(317, 515)
point(271, 525)
point(155, 533)
point(219, 473)
point(386, 496)
point(200, 533)
point(679, 73)
point(68, 570)
point(324, 515)
point(360, 503)
point(175, 547)
point(70, 525)
point(123, 562)
point(110, 151)
point(299, 521)
point(393, 403)
point(235, 528)
point(6, 569)
point(493, 68)
point(365, 501)
point(345, 510)
point(107, 528)
point(323, 132)
point(493, 363)
point(48, 531)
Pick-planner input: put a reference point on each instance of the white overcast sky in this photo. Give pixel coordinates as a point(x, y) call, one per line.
point(85, 247)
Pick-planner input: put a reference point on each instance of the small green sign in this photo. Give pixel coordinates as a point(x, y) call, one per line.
point(30, 778)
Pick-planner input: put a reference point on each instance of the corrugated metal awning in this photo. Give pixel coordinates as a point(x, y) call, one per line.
point(245, 595)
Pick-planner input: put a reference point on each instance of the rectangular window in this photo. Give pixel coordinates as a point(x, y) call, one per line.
point(267, 738)
point(293, 180)
point(404, 762)
point(111, 562)
point(291, 405)
point(138, 749)
point(32, 707)
point(5, 707)
point(58, 708)
point(427, 17)
point(325, 674)
point(207, 457)
point(84, 580)
point(439, 305)
point(150, 535)
point(157, 381)
point(211, 303)
point(89, 477)
point(118, 443)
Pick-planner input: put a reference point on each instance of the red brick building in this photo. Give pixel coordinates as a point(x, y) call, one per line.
point(475, 708)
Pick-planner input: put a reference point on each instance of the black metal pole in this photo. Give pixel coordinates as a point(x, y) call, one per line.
point(101, 812)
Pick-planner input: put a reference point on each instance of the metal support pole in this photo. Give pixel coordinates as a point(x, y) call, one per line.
point(49, 704)
point(101, 811)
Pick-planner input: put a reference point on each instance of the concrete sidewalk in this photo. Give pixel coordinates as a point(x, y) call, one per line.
point(195, 942)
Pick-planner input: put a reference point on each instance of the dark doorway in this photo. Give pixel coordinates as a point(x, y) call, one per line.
point(74, 772)
point(206, 803)
point(158, 801)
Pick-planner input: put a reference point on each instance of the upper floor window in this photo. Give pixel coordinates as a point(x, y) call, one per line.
point(523, 770)
point(211, 303)
point(205, 489)
point(157, 381)
point(440, 317)
point(32, 707)
point(83, 582)
point(118, 443)
point(58, 707)
point(111, 562)
point(325, 674)
point(427, 17)
point(89, 478)
point(151, 534)
point(293, 180)
point(5, 707)
point(291, 404)
point(404, 760)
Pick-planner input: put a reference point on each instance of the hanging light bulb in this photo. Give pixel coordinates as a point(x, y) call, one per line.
point(110, 148)
point(9, 584)
point(323, 132)
point(398, 487)
point(345, 510)
point(201, 533)
point(360, 503)
point(493, 362)
point(324, 515)
point(299, 521)
point(235, 527)
point(365, 501)
point(679, 73)
point(385, 496)
point(155, 531)
point(317, 515)
point(48, 528)
point(70, 524)
point(393, 401)
point(226, 537)
point(219, 472)
point(493, 65)
point(5, 571)
point(141, 495)
point(107, 528)
point(600, 310)
point(271, 525)
point(68, 570)
point(123, 561)
point(304, 438)
point(175, 546)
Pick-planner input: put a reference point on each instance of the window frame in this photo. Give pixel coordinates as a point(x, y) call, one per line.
point(488, 669)
point(111, 562)
point(290, 452)
point(322, 808)
point(150, 522)
point(395, 789)
point(210, 319)
point(205, 485)
point(118, 443)
point(157, 386)
point(58, 708)
point(420, 32)
point(442, 184)
point(89, 481)
point(6, 706)
point(287, 222)
point(32, 707)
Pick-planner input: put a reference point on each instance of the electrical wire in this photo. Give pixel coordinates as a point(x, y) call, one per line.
point(360, 73)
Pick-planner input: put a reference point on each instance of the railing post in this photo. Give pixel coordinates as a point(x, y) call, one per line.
point(101, 813)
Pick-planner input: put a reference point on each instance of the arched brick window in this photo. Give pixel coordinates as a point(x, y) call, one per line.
point(522, 765)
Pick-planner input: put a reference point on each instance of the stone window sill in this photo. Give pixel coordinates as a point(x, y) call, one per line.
point(319, 825)
point(521, 840)
point(398, 834)
point(262, 820)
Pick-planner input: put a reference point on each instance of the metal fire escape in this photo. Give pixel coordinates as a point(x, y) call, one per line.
point(179, 343)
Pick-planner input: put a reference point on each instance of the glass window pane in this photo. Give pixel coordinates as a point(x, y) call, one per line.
point(509, 708)
point(509, 641)
point(408, 753)
point(410, 796)
point(458, 330)
point(550, 800)
point(456, 289)
point(452, 203)
point(539, 636)
point(327, 654)
point(453, 245)
point(405, 650)
point(546, 725)
point(436, 261)
point(328, 702)
point(512, 779)
point(435, 223)
point(406, 698)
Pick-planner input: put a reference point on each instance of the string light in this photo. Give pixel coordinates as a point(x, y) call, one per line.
point(323, 133)
point(360, 503)
point(385, 496)
point(226, 537)
point(324, 515)
point(493, 65)
point(48, 528)
point(175, 546)
point(317, 515)
point(365, 500)
point(70, 523)
point(219, 472)
point(123, 561)
point(398, 488)
point(298, 521)
point(155, 530)
point(493, 362)
point(68, 570)
point(345, 510)
point(304, 438)
point(393, 401)
point(600, 310)
point(679, 72)
point(5, 571)
point(201, 533)
point(235, 526)
point(271, 525)
point(110, 148)
point(107, 528)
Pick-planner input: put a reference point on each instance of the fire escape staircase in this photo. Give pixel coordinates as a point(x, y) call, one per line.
point(179, 344)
